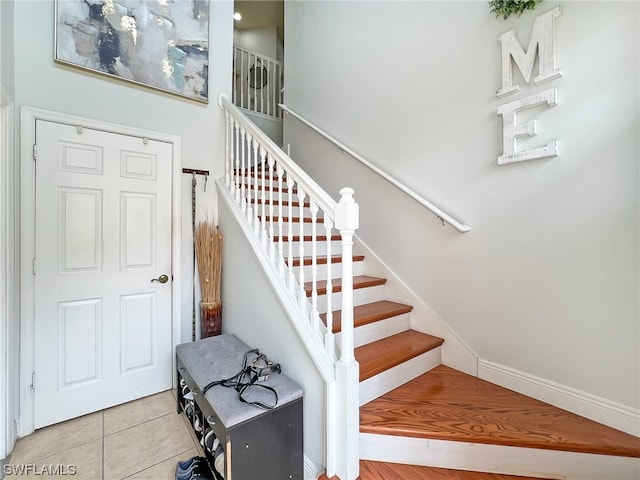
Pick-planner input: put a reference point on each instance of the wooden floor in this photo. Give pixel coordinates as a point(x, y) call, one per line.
point(389, 471)
point(396, 471)
point(446, 404)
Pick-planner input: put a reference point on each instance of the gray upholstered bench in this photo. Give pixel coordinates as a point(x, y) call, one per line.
point(258, 444)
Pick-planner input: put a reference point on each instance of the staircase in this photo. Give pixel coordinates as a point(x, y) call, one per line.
point(409, 399)
point(418, 417)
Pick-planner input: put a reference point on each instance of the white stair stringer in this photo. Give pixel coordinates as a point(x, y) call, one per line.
point(508, 460)
point(455, 353)
point(384, 382)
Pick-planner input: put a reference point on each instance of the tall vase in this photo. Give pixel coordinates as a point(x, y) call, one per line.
point(211, 319)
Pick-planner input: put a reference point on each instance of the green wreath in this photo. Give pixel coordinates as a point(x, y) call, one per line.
point(504, 8)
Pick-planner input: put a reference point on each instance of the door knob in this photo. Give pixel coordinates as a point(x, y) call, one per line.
point(161, 279)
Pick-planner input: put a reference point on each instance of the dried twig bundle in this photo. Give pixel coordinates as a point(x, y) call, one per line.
point(208, 243)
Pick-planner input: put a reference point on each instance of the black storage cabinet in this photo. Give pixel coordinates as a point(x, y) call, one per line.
point(258, 444)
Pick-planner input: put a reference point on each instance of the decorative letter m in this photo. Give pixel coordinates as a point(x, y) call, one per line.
point(542, 42)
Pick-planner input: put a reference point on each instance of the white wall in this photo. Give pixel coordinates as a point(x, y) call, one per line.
point(262, 40)
point(252, 312)
point(6, 45)
point(9, 324)
point(546, 282)
point(42, 83)
point(271, 126)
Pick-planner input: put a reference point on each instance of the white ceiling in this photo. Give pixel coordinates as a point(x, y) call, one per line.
point(260, 14)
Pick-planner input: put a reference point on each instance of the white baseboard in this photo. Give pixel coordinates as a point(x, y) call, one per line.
point(581, 403)
point(311, 470)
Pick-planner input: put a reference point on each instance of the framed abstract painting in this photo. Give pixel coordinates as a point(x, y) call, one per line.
point(161, 44)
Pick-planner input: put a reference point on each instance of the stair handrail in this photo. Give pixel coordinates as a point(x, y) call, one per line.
point(441, 214)
point(324, 199)
point(242, 136)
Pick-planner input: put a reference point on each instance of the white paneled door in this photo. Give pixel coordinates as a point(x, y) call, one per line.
point(102, 270)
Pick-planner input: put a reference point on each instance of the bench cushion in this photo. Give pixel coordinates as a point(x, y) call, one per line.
point(221, 357)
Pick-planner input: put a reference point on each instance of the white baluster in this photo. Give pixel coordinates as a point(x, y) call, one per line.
point(280, 173)
point(256, 180)
point(255, 82)
point(242, 79)
point(234, 87)
point(261, 89)
point(269, 82)
point(250, 178)
point(301, 293)
point(263, 218)
point(280, 91)
point(236, 189)
point(227, 151)
point(291, 277)
point(272, 250)
point(329, 340)
point(315, 318)
point(241, 172)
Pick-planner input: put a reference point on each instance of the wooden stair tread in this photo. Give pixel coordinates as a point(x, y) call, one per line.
point(446, 404)
point(307, 238)
point(285, 203)
point(322, 260)
point(267, 176)
point(268, 218)
point(381, 355)
point(267, 188)
point(369, 313)
point(359, 281)
point(371, 470)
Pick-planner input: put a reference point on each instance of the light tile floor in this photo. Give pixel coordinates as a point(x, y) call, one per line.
point(138, 440)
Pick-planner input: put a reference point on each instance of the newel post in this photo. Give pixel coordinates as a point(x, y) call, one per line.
point(347, 222)
point(347, 453)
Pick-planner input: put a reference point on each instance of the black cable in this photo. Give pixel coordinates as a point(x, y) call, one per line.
point(248, 376)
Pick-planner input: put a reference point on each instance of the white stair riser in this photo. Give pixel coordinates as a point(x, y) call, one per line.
point(276, 209)
point(269, 181)
point(307, 228)
point(360, 297)
point(321, 272)
point(386, 381)
point(375, 331)
point(321, 248)
point(530, 462)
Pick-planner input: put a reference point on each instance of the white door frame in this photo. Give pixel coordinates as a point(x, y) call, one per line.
point(8, 288)
point(28, 118)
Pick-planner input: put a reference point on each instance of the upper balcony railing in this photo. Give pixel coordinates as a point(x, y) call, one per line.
point(257, 82)
point(441, 214)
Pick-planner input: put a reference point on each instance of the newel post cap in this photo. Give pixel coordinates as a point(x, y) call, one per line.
point(347, 211)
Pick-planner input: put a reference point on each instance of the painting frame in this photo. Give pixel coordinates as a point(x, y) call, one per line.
point(156, 44)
